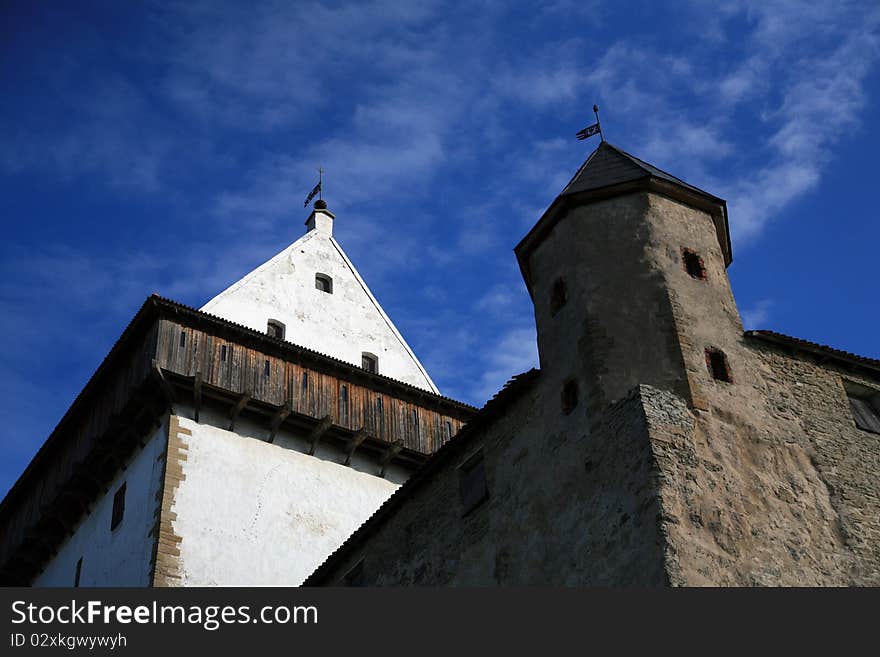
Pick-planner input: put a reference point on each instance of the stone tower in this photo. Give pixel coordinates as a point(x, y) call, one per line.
point(658, 444)
point(626, 270)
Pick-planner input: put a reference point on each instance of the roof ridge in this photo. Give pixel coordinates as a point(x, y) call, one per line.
point(810, 345)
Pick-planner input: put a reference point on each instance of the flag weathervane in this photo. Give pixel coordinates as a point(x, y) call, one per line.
point(590, 130)
point(318, 189)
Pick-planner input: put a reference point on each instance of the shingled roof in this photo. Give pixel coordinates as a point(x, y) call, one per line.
point(609, 165)
point(821, 351)
point(610, 172)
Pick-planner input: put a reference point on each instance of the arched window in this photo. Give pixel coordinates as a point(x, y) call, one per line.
point(370, 362)
point(275, 329)
point(324, 283)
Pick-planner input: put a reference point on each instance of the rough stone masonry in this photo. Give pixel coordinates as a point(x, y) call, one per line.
point(659, 444)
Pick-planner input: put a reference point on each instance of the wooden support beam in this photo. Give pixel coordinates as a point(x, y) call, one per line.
point(197, 394)
point(167, 391)
point(239, 405)
point(279, 417)
point(353, 443)
point(317, 433)
point(393, 450)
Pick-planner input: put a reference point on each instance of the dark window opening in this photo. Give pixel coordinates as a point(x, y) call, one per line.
point(370, 362)
point(118, 508)
point(558, 296)
point(223, 351)
point(343, 403)
point(448, 430)
point(864, 404)
point(415, 421)
point(693, 264)
point(324, 283)
point(304, 382)
point(716, 361)
point(79, 569)
point(473, 486)
point(275, 329)
point(355, 576)
point(266, 368)
point(182, 339)
point(569, 396)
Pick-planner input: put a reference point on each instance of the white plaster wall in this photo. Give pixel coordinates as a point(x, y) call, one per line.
point(342, 324)
point(121, 557)
point(259, 514)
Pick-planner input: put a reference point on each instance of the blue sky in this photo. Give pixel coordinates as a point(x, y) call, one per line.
point(167, 147)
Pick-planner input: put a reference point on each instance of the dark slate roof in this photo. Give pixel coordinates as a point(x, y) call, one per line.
point(609, 165)
point(493, 409)
point(815, 348)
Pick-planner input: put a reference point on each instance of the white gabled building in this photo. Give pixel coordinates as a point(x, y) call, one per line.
point(239, 444)
point(313, 295)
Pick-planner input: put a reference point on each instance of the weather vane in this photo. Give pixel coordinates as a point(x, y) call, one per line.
point(318, 189)
point(590, 130)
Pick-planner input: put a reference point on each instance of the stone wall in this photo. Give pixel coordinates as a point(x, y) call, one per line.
point(565, 507)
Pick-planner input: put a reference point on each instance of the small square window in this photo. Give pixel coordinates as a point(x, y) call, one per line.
point(275, 329)
point(864, 403)
point(473, 487)
point(118, 508)
point(693, 264)
point(370, 363)
point(324, 283)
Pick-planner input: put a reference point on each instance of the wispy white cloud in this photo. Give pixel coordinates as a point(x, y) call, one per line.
point(443, 140)
point(758, 314)
point(516, 350)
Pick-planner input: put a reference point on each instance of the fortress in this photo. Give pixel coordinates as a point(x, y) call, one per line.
point(286, 433)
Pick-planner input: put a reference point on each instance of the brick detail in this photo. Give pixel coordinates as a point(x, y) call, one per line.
point(166, 561)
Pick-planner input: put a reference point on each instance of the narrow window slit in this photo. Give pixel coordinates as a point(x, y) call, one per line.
point(472, 485)
point(716, 362)
point(118, 508)
point(569, 398)
point(558, 296)
point(693, 264)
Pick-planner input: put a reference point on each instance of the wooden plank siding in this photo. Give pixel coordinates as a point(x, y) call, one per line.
point(350, 404)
